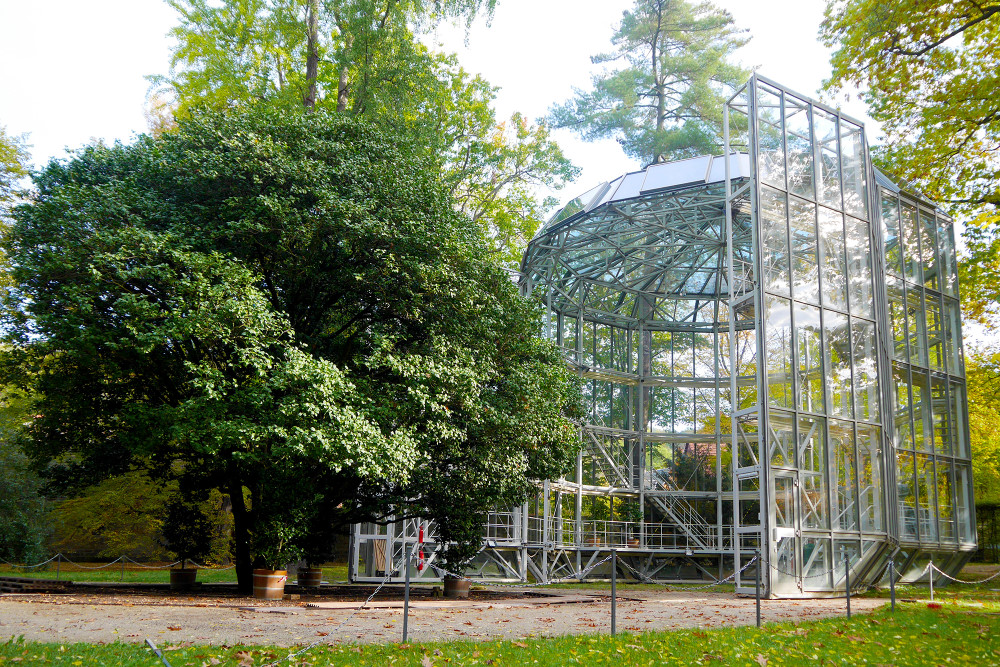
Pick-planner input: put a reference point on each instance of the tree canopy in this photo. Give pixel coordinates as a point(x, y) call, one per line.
point(662, 96)
point(929, 72)
point(13, 165)
point(363, 58)
point(290, 305)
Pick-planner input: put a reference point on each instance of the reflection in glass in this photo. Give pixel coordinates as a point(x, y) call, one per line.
point(771, 157)
point(947, 262)
point(805, 272)
point(940, 411)
point(859, 268)
point(911, 243)
point(926, 502)
point(778, 351)
point(845, 507)
point(828, 160)
point(812, 475)
point(904, 427)
point(837, 347)
point(774, 232)
point(781, 439)
point(816, 565)
point(890, 233)
point(798, 140)
point(959, 434)
point(946, 519)
point(916, 327)
point(921, 410)
point(852, 146)
point(897, 317)
point(963, 506)
point(809, 358)
point(784, 501)
point(907, 495)
point(928, 249)
point(831, 240)
point(866, 394)
point(870, 477)
point(952, 320)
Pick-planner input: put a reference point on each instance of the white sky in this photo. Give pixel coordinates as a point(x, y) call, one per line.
point(71, 71)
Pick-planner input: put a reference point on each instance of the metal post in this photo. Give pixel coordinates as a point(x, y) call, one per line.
point(847, 581)
point(58, 561)
point(757, 587)
point(892, 583)
point(122, 559)
point(930, 571)
point(406, 597)
point(614, 591)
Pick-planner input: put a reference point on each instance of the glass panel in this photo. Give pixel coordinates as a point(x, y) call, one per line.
point(569, 335)
point(897, 317)
point(866, 393)
point(781, 439)
point(939, 411)
point(816, 565)
point(935, 331)
point(926, 501)
point(958, 430)
point(809, 358)
point(921, 397)
point(911, 245)
point(812, 475)
point(778, 347)
point(904, 427)
point(784, 501)
point(906, 486)
point(774, 231)
point(837, 348)
point(798, 140)
point(916, 326)
point(859, 268)
point(946, 518)
point(963, 507)
point(805, 272)
point(828, 162)
point(952, 320)
point(587, 358)
point(947, 264)
point(928, 249)
point(870, 478)
point(890, 234)
point(769, 136)
point(844, 476)
point(852, 147)
point(831, 241)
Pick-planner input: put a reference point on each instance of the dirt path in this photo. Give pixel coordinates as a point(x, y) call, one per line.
point(94, 619)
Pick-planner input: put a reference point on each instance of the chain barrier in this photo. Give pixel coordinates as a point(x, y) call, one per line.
point(576, 576)
point(354, 613)
point(128, 559)
point(960, 581)
point(685, 587)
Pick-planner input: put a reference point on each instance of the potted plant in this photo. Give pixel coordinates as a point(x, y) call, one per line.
point(272, 547)
point(188, 533)
point(317, 548)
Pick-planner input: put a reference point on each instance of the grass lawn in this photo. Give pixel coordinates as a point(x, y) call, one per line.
point(957, 633)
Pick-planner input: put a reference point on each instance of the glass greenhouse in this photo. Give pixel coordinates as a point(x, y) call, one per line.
point(771, 346)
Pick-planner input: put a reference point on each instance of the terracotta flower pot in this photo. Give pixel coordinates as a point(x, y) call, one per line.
point(183, 578)
point(456, 588)
point(310, 577)
point(269, 584)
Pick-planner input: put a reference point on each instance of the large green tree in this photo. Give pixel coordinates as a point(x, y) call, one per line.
point(929, 72)
point(363, 58)
point(290, 304)
point(662, 94)
point(13, 165)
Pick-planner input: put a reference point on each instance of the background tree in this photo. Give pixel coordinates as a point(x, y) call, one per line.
point(24, 526)
point(363, 58)
point(663, 97)
point(291, 304)
point(14, 159)
point(929, 72)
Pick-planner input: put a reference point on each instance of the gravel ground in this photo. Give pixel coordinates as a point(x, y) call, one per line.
point(231, 621)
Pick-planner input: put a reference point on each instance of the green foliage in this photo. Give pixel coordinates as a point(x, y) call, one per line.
point(370, 64)
point(120, 515)
point(13, 165)
point(289, 304)
point(929, 72)
point(664, 99)
point(191, 527)
point(982, 373)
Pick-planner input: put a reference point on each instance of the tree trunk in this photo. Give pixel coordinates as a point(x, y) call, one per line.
point(241, 532)
point(343, 84)
point(312, 58)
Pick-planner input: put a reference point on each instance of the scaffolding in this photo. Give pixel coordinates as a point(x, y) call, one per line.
point(770, 343)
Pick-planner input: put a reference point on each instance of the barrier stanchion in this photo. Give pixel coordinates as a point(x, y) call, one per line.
point(123, 568)
point(930, 573)
point(614, 592)
point(58, 561)
point(406, 596)
point(757, 587)
point(892, 584)
point(847, 581)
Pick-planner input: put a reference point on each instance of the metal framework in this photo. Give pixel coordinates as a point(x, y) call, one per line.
point(772, 354)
